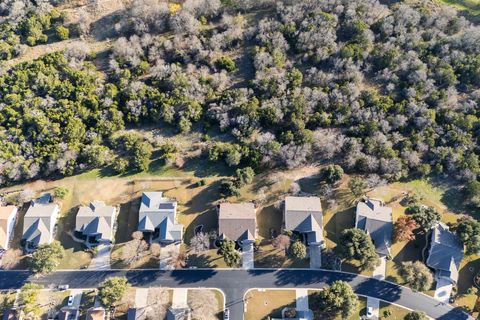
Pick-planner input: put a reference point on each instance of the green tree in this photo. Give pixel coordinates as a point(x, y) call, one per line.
point(426, 217)
point(46, 258)
point(229, 253)
point(416, 315)
point(355, 244)
point(332, 173)
point(60, 192)
point(62, 32)
point(226, 63)
point(298, 250)
point(142, 152)
point(229, 188)
point(472, 191)
point(416, 275)
point(112, 290)
point(244, 176)
point(468, 230)
point(335, 300)
point(120, 165)
point(356, 186)
point(27, 300)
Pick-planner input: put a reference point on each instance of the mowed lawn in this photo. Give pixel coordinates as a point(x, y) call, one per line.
point(261, 304)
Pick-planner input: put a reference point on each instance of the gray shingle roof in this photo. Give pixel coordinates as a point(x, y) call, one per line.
point(37, 220)
point(304, 214)
point(237, 221)
point(96, 219)
point(446, 252)
point(376, 219)
point(157, 212)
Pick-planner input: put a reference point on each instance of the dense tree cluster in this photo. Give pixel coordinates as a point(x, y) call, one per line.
point(355, 244)
point(385, 90)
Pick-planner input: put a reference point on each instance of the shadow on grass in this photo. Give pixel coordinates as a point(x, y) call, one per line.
point(269, 219)
point(127, 220)
point(202, 167)
point(340, 221)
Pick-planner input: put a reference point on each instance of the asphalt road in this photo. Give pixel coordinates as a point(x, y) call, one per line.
point(234, 283)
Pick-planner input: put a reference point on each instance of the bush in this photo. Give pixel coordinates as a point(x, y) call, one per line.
point(120, 165)
point(62, 32)
point(226, 63)
point(60, 192)
point(298, 250)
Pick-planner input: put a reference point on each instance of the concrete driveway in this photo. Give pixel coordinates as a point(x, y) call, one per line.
point(247, 256)
point(77, 297)
point(443, 290)
point(101, 260)
point(375, 304)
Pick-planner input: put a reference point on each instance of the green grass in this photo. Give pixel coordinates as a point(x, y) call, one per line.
point(471, 6)
point(396, 311)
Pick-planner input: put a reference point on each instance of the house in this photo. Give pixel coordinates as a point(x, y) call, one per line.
point(137, 314)
point(237, 222)
point(375, 219)
point(95, 223)
point(304, 215)
point(445, 253)
point(96, 313)
point(11, 314)
point(68, 313)
point(157, 218)
point(39, 222)
point(8, 216)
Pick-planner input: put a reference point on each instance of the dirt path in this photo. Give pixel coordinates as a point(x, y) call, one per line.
point(32, 53)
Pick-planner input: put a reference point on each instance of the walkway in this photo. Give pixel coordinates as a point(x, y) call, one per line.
point(301, 299)
point(141, 297)
point(101, 260)
point(166, 255)
point(235, 282)
point(179, 299)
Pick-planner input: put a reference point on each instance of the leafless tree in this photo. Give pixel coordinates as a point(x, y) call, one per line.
point(155, 249)
point(11, 259)
point(204, 304)
point(281, 242)
point(200, 242)
point(177, 259)
point(135, 249)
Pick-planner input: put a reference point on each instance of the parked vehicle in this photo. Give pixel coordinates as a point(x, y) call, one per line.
point(369, 313)
point(63, 287)
point(70, 300)
point(226, 314)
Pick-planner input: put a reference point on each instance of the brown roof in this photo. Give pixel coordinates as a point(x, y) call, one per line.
point(5, 213)
point(237, 221)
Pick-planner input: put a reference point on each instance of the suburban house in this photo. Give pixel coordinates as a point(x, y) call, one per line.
point(96, 313)
point(39, 222)
point(237, 222)
point(375, 219)
point(137, 314)
point(8, 216)
point(95, 223)
point(68, 313)
point(445, 253)
point(157, 218)
point(304, 216)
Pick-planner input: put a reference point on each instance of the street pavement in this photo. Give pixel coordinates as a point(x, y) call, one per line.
point(235, 282)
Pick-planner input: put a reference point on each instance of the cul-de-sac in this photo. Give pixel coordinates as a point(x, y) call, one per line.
point(239, 159)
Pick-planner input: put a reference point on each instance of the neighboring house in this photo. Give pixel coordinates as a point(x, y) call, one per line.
point(39, 222)
point(8, 216)
point(96, 313)
point(445, 253)
point(237, 222)
point(11, 314)
point(95, 223)
point(137, 314)
point(375, 219)
point(68, 313)
point(157, 218)
point(304, 215)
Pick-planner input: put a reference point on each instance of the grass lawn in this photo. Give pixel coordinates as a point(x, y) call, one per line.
point(359, 312)
point(267, 303)
point(396, 312)
point(128, 301)
point(269, 257)
point(52, 301)
point(207, 259)
point(145, 262)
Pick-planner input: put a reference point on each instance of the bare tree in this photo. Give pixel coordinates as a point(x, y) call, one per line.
point(10, 259)
point(204, 304)
point(26, 195)
point(177, 259)
point(135, 249)
point(281, 242)
point(155, 249)
point(200, 242)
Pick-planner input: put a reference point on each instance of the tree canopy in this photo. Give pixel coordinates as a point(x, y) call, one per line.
point(46, 258)
point(355, 244)
point(334, 300)
point(112, 290)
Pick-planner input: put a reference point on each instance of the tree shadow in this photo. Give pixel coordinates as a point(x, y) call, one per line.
point(340, 221)
point(269, 219)
point(311, 184)
point(187, 276)
point(378, 289)
point(456, 313)
point(66, 227)
point(202, 167)
point(104, 28)
point(127, 220)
